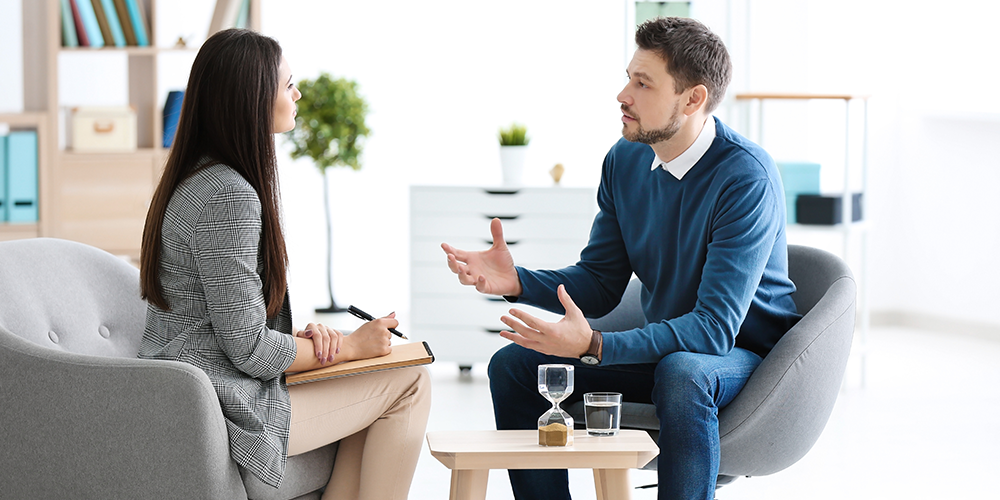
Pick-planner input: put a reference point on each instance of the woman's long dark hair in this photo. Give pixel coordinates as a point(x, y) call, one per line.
point(227, 116)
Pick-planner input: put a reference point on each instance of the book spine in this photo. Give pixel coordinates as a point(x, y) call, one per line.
point(138, 23)
point(242, 19)
point(123, 16)
point(22, 176)
point(3, 178)
point(90, 23)
point(68, 27)
point(81, 32)
point(117, 34)
point(102, 21)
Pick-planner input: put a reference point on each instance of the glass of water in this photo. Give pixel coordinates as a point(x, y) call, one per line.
point(603, 413)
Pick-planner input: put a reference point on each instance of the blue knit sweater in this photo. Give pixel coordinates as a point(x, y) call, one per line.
point(709, 249)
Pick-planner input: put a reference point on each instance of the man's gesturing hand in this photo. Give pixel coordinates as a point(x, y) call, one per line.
point(491, 271)
point(568, 338)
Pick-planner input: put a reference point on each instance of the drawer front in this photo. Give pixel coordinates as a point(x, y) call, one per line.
point(480, 313)
point(461, 345)
point(533, 254)
point(524, 226)
point(498, 202)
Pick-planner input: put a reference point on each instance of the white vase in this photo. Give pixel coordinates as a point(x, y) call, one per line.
point(512, 164)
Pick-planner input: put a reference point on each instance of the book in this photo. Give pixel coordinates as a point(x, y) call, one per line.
point(122, 10)
point(102, 21)
point(225, 15)
point(114, 25)
point(81, 32)
point(3, 178)
point(22, 176)
point(171, 115)
point(412, 354)
point(68, 27)
point(90, 24)
point(242, 19)
point(137, 14)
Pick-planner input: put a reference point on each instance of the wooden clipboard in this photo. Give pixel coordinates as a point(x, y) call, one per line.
point(402, 355)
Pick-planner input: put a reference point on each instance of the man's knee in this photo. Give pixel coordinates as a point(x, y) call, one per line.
point(680, 377)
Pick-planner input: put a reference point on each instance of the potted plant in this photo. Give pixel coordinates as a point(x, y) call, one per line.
point(513, 150)
point(329, 129)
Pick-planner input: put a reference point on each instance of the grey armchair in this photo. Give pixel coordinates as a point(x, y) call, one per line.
point(787, 401)
point(82, 417)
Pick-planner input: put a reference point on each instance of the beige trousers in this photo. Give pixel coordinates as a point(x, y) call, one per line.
point(379, 419)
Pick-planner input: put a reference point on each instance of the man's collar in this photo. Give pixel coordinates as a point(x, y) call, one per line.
point(679, 167)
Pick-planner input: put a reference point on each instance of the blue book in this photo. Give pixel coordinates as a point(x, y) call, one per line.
point(68, 29)
point(3, 178)
point(22, 176)
point(138, 23)
point(243, 18)
point(89, 18)
point(171, 114)
point(113, 23)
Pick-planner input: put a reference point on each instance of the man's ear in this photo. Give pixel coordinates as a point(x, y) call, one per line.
point(697, 99)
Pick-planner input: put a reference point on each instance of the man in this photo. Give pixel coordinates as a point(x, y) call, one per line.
point(696, 211)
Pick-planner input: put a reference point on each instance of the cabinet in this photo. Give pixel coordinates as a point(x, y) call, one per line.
point(854, 234)
point(100, 198)
point(545, 228)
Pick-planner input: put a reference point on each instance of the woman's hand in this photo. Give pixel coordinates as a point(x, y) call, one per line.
point(371, 340)
point(327, 342)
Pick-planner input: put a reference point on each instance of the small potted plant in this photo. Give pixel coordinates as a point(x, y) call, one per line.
point(330, 129)
point(513, 150)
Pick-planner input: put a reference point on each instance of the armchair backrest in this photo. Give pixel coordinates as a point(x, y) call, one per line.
point(66, 295)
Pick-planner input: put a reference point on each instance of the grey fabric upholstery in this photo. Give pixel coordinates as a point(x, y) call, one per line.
point(82, 417)
point(782, 410)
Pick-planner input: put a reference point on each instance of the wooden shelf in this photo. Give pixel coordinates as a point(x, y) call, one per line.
point(132, 51)
point(798, 97)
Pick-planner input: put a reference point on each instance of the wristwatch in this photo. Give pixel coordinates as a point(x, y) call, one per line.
point(590, 357)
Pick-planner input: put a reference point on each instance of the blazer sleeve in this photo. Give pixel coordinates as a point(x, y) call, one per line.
point(225, 245)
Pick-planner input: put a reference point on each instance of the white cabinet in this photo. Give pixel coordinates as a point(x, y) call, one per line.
point(545, 228)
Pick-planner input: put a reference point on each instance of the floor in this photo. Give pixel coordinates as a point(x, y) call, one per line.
point(924, 426)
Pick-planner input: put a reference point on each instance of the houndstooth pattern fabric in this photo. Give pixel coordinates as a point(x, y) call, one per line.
point(210, 272)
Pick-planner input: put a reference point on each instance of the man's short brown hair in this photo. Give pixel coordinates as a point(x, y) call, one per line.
point(694, 55)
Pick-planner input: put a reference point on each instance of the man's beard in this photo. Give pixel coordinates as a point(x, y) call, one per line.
point(653, 136)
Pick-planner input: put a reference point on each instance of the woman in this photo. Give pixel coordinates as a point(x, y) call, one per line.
point(213, 269)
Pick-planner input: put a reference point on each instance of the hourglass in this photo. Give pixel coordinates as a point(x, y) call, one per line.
point(555, 427)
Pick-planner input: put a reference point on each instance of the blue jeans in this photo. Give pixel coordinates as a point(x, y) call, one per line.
point(687, 388)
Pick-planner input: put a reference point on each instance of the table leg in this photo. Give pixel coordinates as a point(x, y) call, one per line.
point(469, 484)
point(612, 484)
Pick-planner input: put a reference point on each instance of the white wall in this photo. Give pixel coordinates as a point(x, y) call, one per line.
point(11, 57)
point(442, 75)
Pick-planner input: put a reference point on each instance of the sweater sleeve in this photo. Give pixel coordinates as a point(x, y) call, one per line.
point(225, 247)
point(745, 226)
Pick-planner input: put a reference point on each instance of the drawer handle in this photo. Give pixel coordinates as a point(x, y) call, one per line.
point(494, 332)
point(496, 299)
point(509, 243)
point(104, 127)
point(501, 191)
point(502, 217)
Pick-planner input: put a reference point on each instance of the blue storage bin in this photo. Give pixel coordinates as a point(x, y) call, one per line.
point(797, 178)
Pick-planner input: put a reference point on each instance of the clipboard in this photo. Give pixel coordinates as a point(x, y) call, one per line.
point(402, 355)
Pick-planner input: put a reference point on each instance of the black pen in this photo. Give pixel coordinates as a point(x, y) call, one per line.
point(368, 317)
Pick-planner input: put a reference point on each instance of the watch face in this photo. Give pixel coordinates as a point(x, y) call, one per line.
point(588, 359)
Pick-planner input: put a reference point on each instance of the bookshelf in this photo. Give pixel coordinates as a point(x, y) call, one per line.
point(101, 199)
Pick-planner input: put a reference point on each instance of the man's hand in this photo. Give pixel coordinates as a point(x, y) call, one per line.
point(491, 271)
point(567, 338)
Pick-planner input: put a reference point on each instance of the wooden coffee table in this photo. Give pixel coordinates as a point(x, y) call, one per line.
point(471, 454)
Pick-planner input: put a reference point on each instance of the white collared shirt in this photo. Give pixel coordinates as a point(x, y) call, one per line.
point(679, 167)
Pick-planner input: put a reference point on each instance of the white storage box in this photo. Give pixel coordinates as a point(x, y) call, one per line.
point(105, 129)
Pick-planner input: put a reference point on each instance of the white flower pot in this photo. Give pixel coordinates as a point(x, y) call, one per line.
point(512, 164)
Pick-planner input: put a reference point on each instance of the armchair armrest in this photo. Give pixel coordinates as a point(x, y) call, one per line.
point(85, 426)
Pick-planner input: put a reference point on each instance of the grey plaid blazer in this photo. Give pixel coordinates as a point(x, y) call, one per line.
point(210, 274)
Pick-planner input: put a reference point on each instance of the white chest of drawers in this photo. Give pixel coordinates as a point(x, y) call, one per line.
point(545, 228)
